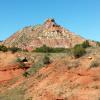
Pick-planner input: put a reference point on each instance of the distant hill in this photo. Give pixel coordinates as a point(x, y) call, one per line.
point(49, 33)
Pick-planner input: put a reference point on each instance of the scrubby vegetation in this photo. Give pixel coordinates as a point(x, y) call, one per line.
point(73, 64)
point(26, 74)
point(21, 63)
point(46, 59)
point(13, 94)
point(78, 51)
point(18, 60)
point(14, 49)
point(37, 65)
point(95, 63)
point(46, 49)
point(85, 44)
point(3, 48)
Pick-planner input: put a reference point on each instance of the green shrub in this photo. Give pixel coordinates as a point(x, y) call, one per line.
point(18, 60)
point(39, 64)
point(26, 74)
point(46, 49)
point(3, 48)
point(78, 51)
point(85, 44)
point(14, 49)
point(21, 63)
point(35, 67)
point(46, 60)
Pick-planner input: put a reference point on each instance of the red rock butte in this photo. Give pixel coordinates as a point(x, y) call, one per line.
point(49, 33)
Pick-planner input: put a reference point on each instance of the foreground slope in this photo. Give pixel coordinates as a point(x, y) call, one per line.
point(66, 78)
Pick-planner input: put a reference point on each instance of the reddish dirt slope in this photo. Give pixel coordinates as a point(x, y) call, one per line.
point(64, 79)
point(57, 82)
point(9, 67)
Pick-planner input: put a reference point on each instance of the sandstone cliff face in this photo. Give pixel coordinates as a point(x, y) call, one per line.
point(49, 33)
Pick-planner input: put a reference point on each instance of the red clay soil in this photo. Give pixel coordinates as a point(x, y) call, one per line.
point(9, 74)
point(56, 82)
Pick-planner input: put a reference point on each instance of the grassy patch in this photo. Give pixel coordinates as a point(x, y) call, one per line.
point(73, 64)
point(95, 63)
point(13, 94)
point(38, 65)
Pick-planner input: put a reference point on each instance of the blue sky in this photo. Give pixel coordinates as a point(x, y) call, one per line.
point(79, 16)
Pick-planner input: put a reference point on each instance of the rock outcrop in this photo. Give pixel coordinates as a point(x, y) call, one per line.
point(50, 34)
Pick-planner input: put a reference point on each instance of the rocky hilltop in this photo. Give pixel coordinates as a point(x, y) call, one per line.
point(50, 34)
